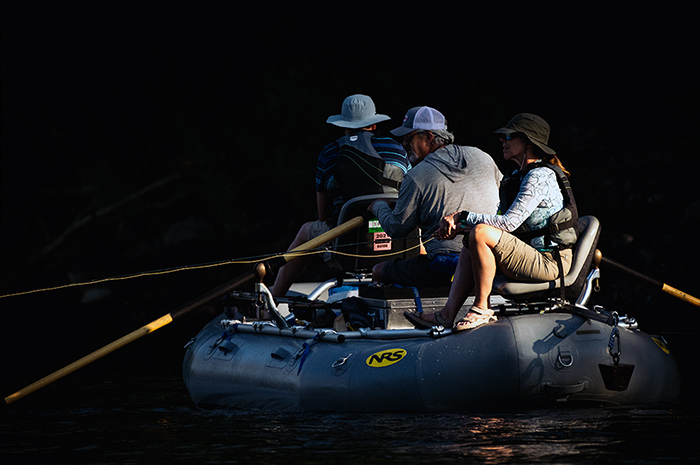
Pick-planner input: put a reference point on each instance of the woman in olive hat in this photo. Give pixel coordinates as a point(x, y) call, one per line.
point(529, 198)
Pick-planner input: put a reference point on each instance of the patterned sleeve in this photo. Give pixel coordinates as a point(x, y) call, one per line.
point(538, 189)
point(325, 165)
point(392, 152)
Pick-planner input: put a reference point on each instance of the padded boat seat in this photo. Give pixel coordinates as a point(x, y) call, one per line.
point(363, 252)
point(573, 282)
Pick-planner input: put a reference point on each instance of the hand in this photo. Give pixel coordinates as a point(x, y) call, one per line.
point(450, 226)
point(448, 229)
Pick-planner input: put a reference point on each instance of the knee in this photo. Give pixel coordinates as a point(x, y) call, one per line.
point(302, 235)
point(305, 228)
point(478, 233)
point(378, 272)
point(484, 234)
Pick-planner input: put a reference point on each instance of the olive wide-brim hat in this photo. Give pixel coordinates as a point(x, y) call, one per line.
point(533, 127)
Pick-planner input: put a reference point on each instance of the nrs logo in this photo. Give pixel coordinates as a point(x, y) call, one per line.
point(385, 358)
point(662, 345)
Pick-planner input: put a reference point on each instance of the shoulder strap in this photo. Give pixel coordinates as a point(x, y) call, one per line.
point(361, 142)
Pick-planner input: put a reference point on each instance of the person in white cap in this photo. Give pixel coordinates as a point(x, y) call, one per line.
point(338, 179)
point(445, 177)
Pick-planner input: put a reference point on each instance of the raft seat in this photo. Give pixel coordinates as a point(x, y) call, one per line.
point(360, 248)
point(583, 253)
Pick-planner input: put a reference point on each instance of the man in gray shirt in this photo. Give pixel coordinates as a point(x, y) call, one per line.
point(445, 178)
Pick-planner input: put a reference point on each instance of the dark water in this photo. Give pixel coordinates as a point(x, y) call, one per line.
point(117, 418)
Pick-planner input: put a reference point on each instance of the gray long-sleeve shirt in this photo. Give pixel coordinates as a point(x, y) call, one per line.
point(451, 179)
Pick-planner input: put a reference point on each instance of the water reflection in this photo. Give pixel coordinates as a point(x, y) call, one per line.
point(149, 419)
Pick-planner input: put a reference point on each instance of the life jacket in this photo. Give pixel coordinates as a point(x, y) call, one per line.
point(360, 170)
point(563, 227)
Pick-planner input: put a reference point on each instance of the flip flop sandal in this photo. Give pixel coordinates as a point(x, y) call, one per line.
point(470, 322)
point(420, 323)
point(417, 321)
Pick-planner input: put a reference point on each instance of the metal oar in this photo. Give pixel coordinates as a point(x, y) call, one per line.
point(658, 284)
point(247, 278)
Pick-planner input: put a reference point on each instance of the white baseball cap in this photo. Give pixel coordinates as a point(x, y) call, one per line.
point(424, 118)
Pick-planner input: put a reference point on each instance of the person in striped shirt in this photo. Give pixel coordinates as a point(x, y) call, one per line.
point(384, 163)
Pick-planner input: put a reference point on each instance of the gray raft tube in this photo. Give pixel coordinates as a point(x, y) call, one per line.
point(329, 335)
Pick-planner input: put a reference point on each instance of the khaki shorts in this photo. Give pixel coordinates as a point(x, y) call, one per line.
point(521, 261)
point(317, 228)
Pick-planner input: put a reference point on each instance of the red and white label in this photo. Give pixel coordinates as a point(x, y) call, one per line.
point(382, 241)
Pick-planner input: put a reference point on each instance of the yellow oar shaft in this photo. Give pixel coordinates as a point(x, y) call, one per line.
point(663, 286)
point(119, 343)
point(242, 280)
point(681, 295)
point(316, 242)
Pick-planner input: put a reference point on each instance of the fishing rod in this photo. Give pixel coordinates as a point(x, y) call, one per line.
point(424, 239)
point(257, 273)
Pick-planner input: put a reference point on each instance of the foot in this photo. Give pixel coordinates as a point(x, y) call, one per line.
point(475, 318)
point(426, 320)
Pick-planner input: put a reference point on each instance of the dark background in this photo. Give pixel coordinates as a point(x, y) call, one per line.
point(134, 142)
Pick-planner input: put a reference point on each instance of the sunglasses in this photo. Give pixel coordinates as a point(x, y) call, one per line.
point(407, 138)
point(511, 135)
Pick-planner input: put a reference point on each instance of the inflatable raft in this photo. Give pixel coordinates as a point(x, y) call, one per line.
point(353, 350)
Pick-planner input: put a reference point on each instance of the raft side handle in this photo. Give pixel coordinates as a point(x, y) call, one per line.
point(589, 286)
point(340, 362)
point(316, 293)
point(280, 353)
point(564, 390)
point(226, 346)
point(271, 307)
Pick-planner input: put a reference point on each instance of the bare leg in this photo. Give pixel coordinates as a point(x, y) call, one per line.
point(462, 286)
point(289, 273)
point(476, 270)
point(378, 272)
point(482, 240)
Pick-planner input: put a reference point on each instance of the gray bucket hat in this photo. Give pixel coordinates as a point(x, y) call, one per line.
point(358, 112)
point(535, 128)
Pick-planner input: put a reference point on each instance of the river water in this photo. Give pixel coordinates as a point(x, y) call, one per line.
point(118, 418)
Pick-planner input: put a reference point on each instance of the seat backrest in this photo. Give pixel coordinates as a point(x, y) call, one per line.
point(574, 280)
point(369, 244)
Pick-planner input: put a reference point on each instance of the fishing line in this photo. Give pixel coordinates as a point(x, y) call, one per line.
point(241, 261)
